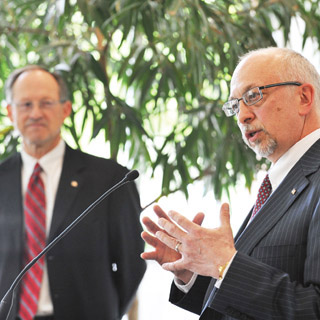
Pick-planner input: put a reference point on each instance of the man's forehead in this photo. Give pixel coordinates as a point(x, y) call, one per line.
point(34, 73)
point(241, 83)
point(35, 83)
point(36, 76)
point(251, 72)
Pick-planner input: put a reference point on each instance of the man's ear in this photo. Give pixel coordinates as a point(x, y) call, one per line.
point(67, 108)
point(306, 98)
point(9, 111)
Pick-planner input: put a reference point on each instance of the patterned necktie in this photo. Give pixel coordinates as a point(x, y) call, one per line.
point(263, 194)
point(35, 240)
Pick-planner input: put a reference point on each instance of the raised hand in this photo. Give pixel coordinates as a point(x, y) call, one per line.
point(202, 250)
point(163, 253)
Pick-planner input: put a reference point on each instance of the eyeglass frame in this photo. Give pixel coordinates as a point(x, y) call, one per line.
point(236, 101)
point(45, 104)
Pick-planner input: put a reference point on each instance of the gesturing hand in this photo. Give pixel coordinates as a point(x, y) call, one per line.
point(202, 250)
point(164, 253)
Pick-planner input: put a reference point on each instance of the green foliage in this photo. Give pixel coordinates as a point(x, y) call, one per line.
point(150, 75)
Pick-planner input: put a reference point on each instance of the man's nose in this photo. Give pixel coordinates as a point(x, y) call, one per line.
point(36, 110)
point(245, 114)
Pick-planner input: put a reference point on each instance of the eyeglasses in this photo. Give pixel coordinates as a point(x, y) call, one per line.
point(43, 104)
point(251, 97)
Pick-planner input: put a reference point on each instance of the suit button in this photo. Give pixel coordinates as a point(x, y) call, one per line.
point(50, 258)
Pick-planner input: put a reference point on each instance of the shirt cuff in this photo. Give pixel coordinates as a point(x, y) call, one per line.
point(185, 288)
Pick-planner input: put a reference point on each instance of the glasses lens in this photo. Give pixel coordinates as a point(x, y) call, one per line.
point(252, 96)
point(24, 105)
point(230, 108)
point(47, 104)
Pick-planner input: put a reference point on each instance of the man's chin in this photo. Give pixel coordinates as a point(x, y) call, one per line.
point(260, 151)
point(264, 152)
point(35, 142)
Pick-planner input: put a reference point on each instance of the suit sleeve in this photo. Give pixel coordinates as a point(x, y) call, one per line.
point(193, 300)
point(256, 290)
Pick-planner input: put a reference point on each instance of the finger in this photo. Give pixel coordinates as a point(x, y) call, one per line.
point(172, 229)
point(183, 221)
point(225, 215)
point(150, 225)
point(174, 266)
point(198, 219)
point(160, 213)
point(149, 239)
point(152, 255)
point(168, 240)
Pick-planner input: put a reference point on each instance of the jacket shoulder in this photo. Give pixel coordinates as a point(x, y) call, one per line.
point(94, 162)
point(10, 162)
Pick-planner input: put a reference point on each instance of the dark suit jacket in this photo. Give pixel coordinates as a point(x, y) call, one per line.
point(276, 272)
point(95, 270)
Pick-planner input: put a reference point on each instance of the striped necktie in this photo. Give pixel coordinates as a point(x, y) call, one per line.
point(35, 240)
point(263, 194)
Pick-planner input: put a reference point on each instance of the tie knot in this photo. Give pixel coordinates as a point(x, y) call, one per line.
point(37, 169)
point(35, 176)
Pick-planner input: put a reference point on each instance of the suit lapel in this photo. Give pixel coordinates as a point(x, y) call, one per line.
point(243, 226)
point(70, 183)
point(279, 202)
point(13, 187)
point(13, 197)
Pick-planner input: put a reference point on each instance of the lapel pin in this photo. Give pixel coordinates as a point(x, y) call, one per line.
point(293, 191)
point(74, 183)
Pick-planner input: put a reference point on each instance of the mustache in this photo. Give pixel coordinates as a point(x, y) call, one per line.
point(249, 128)
point(34, 121)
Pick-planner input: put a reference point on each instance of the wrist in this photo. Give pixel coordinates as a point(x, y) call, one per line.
point(184, 276)
point(223, 268)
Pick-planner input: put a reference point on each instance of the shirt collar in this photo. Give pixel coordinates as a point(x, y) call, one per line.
point(281, 168)
point(46, 162)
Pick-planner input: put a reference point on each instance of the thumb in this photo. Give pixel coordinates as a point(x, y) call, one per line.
point(225, 215)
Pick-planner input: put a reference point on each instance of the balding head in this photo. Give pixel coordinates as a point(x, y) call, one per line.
point(286, 65)
point(63, 89)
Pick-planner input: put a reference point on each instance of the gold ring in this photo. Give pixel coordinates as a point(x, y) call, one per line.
point(177, 246)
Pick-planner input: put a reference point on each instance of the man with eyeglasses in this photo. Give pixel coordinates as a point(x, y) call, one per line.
point(93, 272)
point(271, 269)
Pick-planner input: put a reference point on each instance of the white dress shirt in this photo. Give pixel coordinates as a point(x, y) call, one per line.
point(277, 172)
point(51, 163)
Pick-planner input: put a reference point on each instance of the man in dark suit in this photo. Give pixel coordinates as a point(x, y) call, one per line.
point(271, 269)
point(94, 272)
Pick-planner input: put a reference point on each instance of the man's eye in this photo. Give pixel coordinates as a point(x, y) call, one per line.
point(253, 95)
point(26, 105)
point(47, 103)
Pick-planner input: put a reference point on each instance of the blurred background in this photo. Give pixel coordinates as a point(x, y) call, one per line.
point(148, 79)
